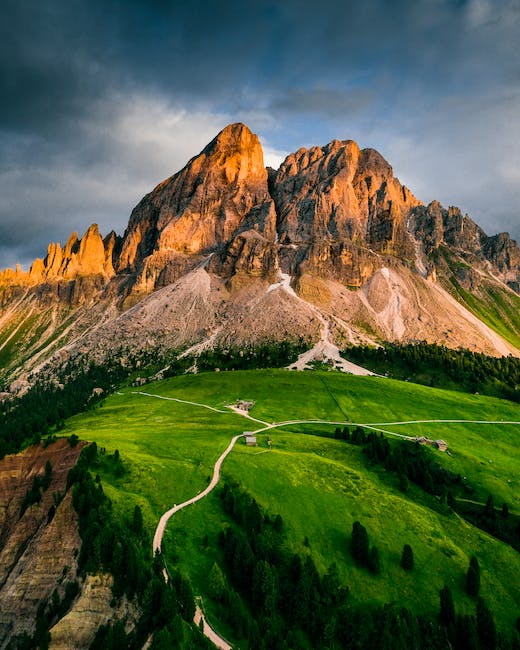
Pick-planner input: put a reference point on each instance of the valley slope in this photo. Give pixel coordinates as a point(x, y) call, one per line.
point(319, 485)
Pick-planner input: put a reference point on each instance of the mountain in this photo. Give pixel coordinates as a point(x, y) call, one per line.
point(330, 248)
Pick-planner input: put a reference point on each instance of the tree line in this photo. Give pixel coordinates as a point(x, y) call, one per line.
point(412, 462)
point(263, 586)
point(437, 365)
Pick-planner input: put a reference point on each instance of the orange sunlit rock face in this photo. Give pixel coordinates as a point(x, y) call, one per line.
point(332, 226)
point(206, 203)
point(80, 257)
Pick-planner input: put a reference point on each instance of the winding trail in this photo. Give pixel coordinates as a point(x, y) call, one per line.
point(181, 401)
point(209, 632)
point(375, 426)
point(159, 531)
point(325, 349)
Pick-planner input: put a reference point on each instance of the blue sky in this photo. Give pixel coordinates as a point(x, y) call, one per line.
point(102, 99)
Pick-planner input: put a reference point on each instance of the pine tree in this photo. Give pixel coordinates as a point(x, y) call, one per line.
point(407, 558)
point(185, 598)
point(403, 483)
point(473, 577)
point(278, 524)
point(360, 544)
point(489, 508)
point(466, 633)
point(252, 516)
point(486, 629)
point(450, 500)
point(46, 480)
point(162, 640)
point(447, 608)
point(374, 562)
point(265, 592)
point(216, 583)
point(176, 629)
point(137, 521)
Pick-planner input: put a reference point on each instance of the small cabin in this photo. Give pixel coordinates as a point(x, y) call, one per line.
point(245, 405)
point(441, 445)
point(251, 441)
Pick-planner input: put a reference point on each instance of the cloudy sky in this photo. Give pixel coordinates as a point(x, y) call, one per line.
point(102, 99)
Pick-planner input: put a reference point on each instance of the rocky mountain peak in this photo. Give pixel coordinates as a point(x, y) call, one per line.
point(339, 192)
point(90, 255)
point(219, 193)
point(332, 226)
point(238, 151)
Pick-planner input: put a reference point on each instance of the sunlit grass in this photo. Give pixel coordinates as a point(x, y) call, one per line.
point(318, 485)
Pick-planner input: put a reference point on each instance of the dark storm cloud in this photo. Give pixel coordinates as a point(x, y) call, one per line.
point(328, 102)
point(103, 98)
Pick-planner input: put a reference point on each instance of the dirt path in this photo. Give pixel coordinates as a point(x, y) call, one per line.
point(342, 423)
point(444, 421)
point(159, 531)
point(245, 414)
point(208, 631)
point(376, 426)
point(180, 401)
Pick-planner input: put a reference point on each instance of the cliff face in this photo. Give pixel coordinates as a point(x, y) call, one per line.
point(340, 192)
point(38, 547)
point(333, 214)
point(219, 193)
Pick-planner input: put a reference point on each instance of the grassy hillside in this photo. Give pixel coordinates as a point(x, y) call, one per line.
point(493, 304)
point(26, 334)
point(320, 486)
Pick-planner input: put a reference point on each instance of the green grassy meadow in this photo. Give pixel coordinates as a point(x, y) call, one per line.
point(320, 486)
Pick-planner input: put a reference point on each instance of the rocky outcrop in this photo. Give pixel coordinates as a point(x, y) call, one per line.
point(504, 256)
point(219, 193)
point(93, 608)
point(341, 261)
point(38, 546)
point(434, 226)
point(88, 256)
point(249, 254)
point(340, 192)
